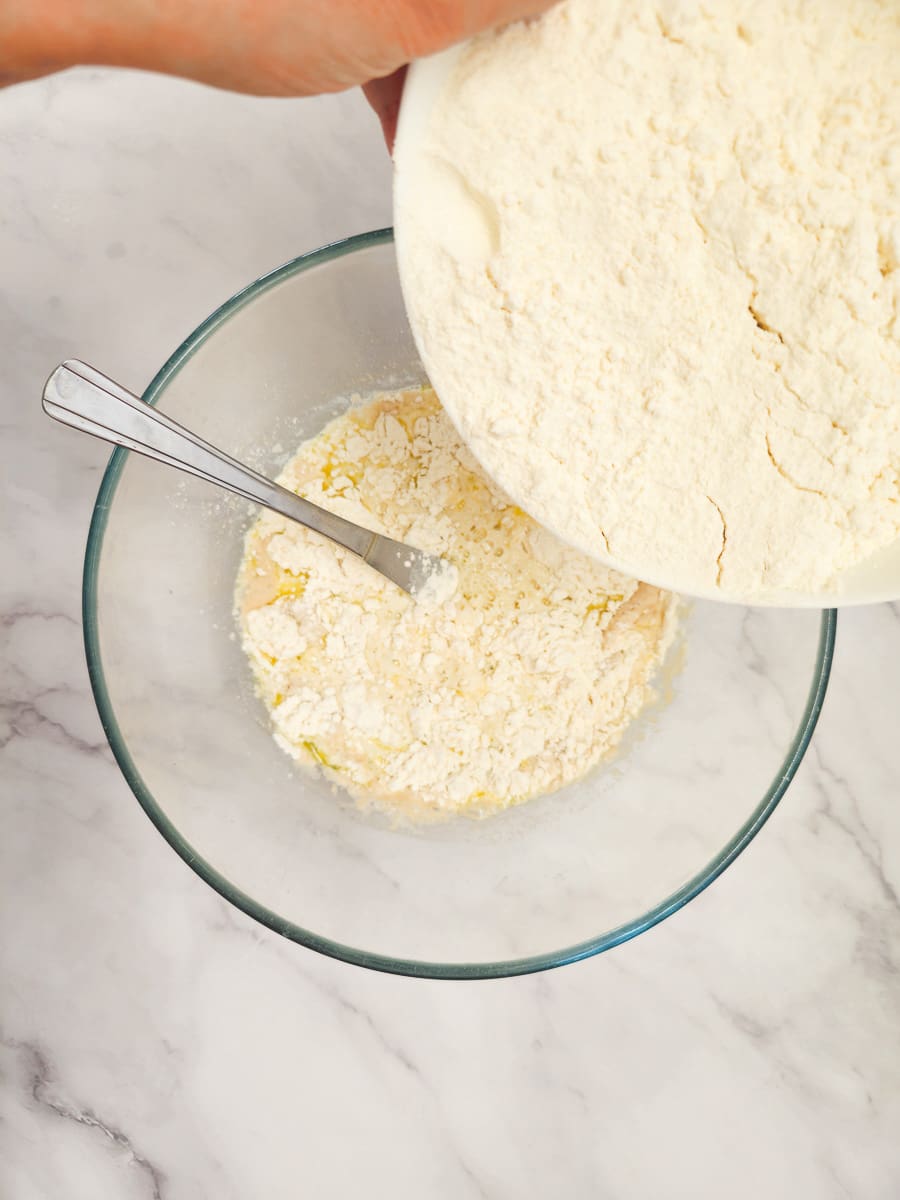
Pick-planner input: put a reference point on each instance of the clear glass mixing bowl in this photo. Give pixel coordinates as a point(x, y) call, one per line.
point(555, 880)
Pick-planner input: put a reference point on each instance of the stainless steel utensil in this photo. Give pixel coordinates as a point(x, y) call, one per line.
point(86, 399)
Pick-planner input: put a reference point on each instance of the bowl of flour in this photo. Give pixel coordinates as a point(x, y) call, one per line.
point(651, 257)
point(581, 831)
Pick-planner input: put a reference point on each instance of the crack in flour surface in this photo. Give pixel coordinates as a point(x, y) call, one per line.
point(667, 317)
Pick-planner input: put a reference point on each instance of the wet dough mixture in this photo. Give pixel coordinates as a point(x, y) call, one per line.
point(520, 682)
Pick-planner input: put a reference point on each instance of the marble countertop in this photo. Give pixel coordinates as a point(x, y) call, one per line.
point(155, 1042)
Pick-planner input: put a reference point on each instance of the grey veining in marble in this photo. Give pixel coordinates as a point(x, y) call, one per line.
point(155, 1042)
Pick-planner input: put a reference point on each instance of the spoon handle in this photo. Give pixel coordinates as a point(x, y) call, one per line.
point(83, 398)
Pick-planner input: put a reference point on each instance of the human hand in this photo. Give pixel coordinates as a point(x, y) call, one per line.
point(268, 47)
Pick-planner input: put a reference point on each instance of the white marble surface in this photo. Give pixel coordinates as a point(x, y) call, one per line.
point(155, 1042)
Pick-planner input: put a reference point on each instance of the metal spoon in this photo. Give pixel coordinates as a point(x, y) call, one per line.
point(84, 398)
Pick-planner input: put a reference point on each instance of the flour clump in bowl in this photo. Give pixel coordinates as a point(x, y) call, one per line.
point(510, 678)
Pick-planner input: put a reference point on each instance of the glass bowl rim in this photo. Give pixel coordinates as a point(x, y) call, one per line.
point(259, 912)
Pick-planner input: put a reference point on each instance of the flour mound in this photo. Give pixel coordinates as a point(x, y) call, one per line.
point(510, 677)
point(669, 325)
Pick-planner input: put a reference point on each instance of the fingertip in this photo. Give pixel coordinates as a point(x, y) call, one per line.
point(384, 95)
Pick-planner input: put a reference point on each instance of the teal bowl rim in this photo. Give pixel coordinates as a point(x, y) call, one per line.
point(296, 933)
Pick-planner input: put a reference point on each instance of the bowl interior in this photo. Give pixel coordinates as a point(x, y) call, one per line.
point(563, 876)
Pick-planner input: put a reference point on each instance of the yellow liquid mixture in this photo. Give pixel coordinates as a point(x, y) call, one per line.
point(519, 683)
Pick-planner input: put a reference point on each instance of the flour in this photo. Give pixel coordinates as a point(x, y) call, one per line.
point(667, 321)
point(515, 673)
point(439, 586)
